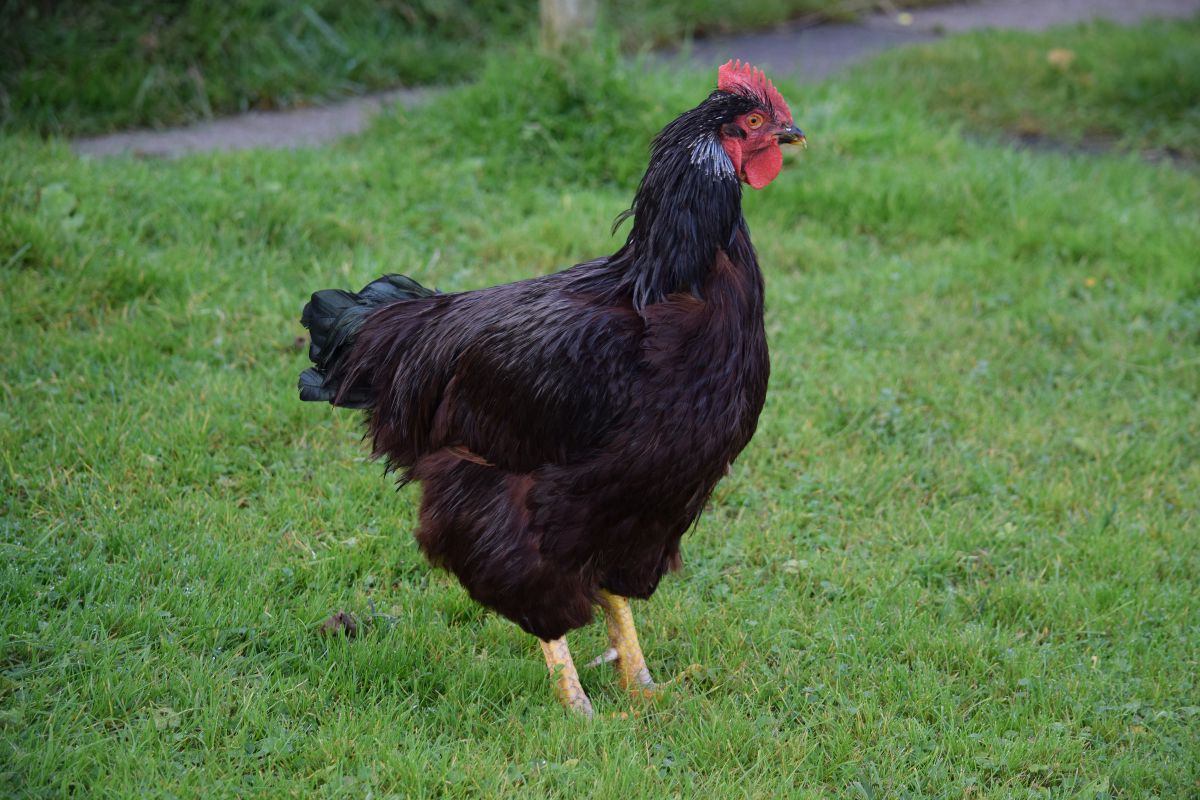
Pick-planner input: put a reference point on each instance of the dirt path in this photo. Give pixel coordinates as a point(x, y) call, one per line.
point(809, 53)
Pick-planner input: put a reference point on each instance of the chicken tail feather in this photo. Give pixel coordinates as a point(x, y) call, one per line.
point(333, 318)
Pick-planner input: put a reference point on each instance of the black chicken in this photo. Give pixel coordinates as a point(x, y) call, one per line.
point(567, 430)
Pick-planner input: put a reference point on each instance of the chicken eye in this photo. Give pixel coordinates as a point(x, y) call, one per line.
point(754, 121)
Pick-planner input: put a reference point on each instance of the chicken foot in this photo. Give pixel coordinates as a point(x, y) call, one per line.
point(625, 651)
point(567, 687)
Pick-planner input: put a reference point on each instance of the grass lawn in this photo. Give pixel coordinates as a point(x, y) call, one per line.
point(960, 559)
point(90, 67)
point(1098, 84)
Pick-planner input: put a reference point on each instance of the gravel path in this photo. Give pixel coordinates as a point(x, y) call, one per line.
point(809, 53)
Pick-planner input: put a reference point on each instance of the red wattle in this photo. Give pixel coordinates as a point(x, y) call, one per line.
point(762, 166)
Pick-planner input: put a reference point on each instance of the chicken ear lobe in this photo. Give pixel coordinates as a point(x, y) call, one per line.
point(733, 149)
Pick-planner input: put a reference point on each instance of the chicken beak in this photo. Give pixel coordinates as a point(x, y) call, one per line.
point(792, 135)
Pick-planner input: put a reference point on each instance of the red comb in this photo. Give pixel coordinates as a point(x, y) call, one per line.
point(739, 78)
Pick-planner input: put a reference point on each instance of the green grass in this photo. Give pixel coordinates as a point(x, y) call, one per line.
point(960, 559)
point(76, 68)
point(1099, 84)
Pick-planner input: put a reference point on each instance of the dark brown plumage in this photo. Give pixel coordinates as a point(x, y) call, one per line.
point(567, 430)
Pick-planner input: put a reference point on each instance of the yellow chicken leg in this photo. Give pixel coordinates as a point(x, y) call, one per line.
point(567, 687)
point(622, 635)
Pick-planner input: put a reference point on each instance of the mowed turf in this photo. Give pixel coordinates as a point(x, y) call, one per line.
point(76, 68)
point(959, 559)
point(1097, 85)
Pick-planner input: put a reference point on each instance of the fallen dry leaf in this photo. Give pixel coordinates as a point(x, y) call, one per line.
point(1061, 58)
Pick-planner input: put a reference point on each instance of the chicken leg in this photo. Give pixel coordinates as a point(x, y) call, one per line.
point(566, 680)
point(622, 635)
